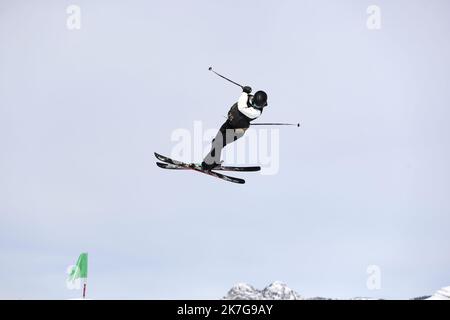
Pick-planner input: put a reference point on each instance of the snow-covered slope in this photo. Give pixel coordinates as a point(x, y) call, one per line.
point(442, 294)
point(275, 291)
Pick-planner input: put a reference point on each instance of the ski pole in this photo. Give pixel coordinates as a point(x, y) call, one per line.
point(211, 69)
point(275, 124)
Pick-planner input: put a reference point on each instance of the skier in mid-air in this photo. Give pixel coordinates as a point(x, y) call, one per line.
point(248, 108)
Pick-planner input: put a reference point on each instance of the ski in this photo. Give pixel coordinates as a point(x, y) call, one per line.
point(221, 168)
point(199, 169)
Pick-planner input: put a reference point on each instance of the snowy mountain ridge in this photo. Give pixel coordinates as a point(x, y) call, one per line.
point(441, 294)
point(275, 291)
point(280, 291)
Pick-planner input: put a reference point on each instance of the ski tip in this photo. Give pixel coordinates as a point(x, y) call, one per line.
point(161, 165)
point(252, 169)
point(236, 180)
point(159, 156)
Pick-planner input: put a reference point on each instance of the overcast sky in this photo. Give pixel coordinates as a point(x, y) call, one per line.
point(364, 181)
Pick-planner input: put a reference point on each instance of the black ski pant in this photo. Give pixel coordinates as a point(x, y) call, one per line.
point(226, 135)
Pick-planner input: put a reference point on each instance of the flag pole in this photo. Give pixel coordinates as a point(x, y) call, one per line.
point(84, 289)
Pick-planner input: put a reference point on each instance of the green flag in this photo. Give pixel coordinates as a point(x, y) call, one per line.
point(80, 270)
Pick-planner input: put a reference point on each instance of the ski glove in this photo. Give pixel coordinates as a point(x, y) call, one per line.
point(247, 89)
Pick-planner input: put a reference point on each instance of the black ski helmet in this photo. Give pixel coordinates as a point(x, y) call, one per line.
point(259, 99)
